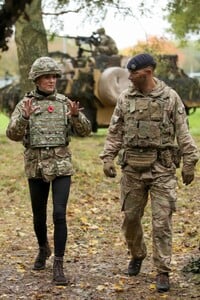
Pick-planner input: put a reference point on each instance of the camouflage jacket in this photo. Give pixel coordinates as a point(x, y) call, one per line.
point(126, 115)
point(46, 162)
point(107, 46)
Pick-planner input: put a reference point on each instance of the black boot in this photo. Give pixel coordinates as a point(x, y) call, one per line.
point(58, 275)
point(134, 266)
point(44, 253)
point(162, 282)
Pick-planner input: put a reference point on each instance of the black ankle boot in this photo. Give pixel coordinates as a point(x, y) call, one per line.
point(162, 282)
point(44, 253)
point(134, 266)
point(58, 275)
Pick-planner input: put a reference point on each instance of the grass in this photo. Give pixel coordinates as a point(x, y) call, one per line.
point(194, 122)
point(96, 245)
point(3, 123)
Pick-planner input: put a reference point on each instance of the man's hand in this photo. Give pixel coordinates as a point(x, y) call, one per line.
point(109, 169)
point(188, 174)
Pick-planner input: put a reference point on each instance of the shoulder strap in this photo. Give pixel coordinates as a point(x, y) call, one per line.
point(60, 97)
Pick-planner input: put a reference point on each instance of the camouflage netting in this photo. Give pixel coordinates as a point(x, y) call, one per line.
point(188, 88)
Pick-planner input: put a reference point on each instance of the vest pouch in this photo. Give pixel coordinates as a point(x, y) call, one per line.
point(121, 158)
point(141, 159)
point(176, 156)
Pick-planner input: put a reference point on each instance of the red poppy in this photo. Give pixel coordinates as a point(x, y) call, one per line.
point(50, 108)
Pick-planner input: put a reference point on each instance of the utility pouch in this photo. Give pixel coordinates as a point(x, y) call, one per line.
point(165, 158)
point(141, 159)
point(170, 156)
point(176, 156)
point(121, 158)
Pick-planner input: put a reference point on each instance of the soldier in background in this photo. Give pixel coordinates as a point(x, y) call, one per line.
point(148, 120)
point(43, 120)
point(106, 44)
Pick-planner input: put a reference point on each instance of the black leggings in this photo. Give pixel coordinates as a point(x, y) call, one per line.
point(39, 192)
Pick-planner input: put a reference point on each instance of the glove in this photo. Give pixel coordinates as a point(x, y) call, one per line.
point(109, 169)
point(187, 174)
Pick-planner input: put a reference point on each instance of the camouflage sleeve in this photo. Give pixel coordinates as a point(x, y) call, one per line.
point(114, 137)
point(81, 126)
point(188, 148)
point(17, 124)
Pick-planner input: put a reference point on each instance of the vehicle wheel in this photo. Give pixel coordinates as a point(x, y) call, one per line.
point(111, 83)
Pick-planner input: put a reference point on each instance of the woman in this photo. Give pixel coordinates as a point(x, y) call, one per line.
point(43, 121)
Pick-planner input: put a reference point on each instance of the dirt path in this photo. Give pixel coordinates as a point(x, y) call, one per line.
point(96, 256)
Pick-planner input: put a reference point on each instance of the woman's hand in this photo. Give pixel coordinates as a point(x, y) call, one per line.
point(28, 108)
point(74, 108)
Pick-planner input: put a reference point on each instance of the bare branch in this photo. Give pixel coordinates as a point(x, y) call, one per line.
point(62, 12)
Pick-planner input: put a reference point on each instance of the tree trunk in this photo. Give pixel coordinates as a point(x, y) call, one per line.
point(31, 42)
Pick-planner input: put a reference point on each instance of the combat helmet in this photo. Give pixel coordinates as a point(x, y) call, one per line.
point(101, 30)
point(43, 66)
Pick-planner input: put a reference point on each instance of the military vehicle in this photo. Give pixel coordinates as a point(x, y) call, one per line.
point(187, 87)
point(97, 80)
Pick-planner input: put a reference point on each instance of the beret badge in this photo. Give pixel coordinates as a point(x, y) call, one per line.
point(133, 66)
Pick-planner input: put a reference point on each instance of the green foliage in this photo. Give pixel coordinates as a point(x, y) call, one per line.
point(63, 2)
point(184, 17)
point(10, 11)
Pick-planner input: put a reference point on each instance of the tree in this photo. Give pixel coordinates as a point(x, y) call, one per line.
point(184, 17)
point(31, 41)
point(158, 47)
point(153, 45)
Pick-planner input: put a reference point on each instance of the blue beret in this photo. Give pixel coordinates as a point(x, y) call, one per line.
point(141, 61)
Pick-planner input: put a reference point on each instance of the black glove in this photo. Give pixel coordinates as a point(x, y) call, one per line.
point(109, 169)
point(187, 174)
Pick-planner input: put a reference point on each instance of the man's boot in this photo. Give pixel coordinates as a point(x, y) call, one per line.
point(134, 266)
point(44, 253)
point(58, 275)
point(162, 282)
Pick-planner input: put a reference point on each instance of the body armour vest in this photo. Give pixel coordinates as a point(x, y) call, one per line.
point(48, 126)
point(147, 122)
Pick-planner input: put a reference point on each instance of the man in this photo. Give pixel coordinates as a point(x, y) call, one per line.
point(106, 44)
point(148, 120)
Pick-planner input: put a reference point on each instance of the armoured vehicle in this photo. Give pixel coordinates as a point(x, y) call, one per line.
point(97, 80)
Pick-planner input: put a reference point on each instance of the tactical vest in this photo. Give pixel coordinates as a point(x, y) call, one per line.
point(48, 126)
point(147, 122)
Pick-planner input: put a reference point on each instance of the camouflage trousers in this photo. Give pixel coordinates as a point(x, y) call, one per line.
point(158, 185)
